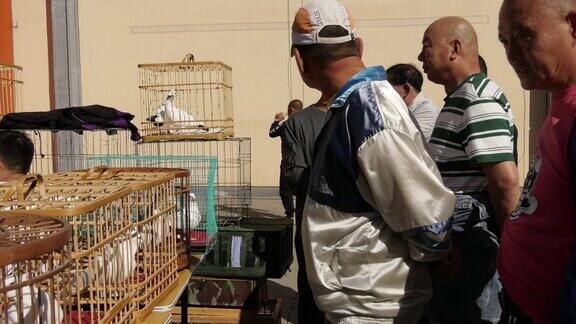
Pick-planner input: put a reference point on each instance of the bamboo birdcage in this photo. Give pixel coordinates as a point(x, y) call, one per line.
point(103, 257)
point(10, 89)
point(153, 213)
point(187, 100)
point(35, 277)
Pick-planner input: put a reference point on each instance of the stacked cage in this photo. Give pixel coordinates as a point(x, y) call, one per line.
point(153, 215)
point(68, 150)
point(233, 193)
point(10, 89)
point(103, 250)
point(188, 100)
point(75, 150)
point(35, 277)
point(195, 188)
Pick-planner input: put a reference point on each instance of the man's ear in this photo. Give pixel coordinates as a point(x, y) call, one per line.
point(359, 46)
point(571, 18)
point(406, 88)
point(299, 61)
point(456, 49)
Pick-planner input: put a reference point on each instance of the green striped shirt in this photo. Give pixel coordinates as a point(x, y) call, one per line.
point(474, 127)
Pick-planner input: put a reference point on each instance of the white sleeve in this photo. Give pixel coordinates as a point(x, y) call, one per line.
point(401, 181)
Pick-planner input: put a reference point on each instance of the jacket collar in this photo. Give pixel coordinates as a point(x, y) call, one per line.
point(375, 73)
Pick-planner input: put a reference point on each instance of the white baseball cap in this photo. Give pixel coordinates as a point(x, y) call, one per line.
point(318, 14)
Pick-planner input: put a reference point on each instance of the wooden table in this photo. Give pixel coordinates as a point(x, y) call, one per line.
point(162, 311)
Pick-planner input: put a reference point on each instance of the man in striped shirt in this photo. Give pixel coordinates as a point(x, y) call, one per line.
point(473, 145)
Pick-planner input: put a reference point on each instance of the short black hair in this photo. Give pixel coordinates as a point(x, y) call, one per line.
point(295, 104)
point(400, 74)
point(327, 53)
point(483, 66)
point(16, 151)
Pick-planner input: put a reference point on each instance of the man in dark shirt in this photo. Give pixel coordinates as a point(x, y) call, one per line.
point(276, 129)
point(298, 137)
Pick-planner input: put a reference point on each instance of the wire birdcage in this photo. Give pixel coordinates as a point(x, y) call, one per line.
point(233, 178)
point(153, 213)
point(102, 242)
point(233, 195)
point(10, 89)
point(67, 150)
point(187, 100)
point(35, 277)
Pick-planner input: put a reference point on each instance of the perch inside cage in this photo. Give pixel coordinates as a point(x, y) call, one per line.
point(187, 100)
point(102, 241)
point(10, 89)
point(35, 278)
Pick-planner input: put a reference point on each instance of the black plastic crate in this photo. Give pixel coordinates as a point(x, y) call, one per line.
point(254, 248)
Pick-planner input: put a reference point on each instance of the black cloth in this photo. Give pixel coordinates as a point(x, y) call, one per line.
point(298, 138)
point(72, 118)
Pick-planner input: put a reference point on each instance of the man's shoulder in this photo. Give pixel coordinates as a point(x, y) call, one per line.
point(305, 114)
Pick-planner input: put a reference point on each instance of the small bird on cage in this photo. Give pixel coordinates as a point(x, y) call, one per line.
point(175, 117)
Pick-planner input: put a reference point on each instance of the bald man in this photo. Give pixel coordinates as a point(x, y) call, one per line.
point(472, 143)
point(537, 255)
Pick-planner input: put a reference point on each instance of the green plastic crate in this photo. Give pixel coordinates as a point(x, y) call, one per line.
point(255, 248)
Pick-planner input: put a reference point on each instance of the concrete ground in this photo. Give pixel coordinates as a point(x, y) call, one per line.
point(284, 288)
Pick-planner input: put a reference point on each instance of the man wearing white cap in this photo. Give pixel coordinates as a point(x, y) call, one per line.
point(377, 212)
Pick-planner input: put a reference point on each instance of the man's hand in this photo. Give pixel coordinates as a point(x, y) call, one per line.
point(503, 189)
point(279, 117)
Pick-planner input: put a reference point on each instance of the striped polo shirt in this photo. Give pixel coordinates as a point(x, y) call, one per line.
point(474, 127)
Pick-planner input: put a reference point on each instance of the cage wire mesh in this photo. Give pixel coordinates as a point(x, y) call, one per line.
point(10, 89)
point(233, 179)
point(196, 212)
point(73, 150)
point(102, 242)
point(35, 278)
point(67, 150)
point(187, 100)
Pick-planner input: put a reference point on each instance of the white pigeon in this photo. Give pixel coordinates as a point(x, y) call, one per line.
point(37, 305)
point(195, 215)
point(174, 116)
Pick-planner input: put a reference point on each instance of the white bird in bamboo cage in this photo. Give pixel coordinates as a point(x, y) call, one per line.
point(34, 304)
point(175, 117)
point(195, 217)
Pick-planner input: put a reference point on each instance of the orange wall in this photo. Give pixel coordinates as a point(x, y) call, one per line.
point(6, 40)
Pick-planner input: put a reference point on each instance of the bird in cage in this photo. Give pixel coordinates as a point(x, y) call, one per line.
point(175, 117)
point(195, 215)
point(34, 304)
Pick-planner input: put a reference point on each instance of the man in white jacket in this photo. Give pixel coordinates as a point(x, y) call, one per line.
point(377, 212)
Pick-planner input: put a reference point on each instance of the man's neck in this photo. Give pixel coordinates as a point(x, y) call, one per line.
point(337, 74)
point(458, 76)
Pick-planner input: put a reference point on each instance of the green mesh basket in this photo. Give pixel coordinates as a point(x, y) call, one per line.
point(202, 178)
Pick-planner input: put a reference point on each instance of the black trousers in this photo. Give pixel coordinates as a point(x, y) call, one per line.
point(308, 311)
point(286, 195)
